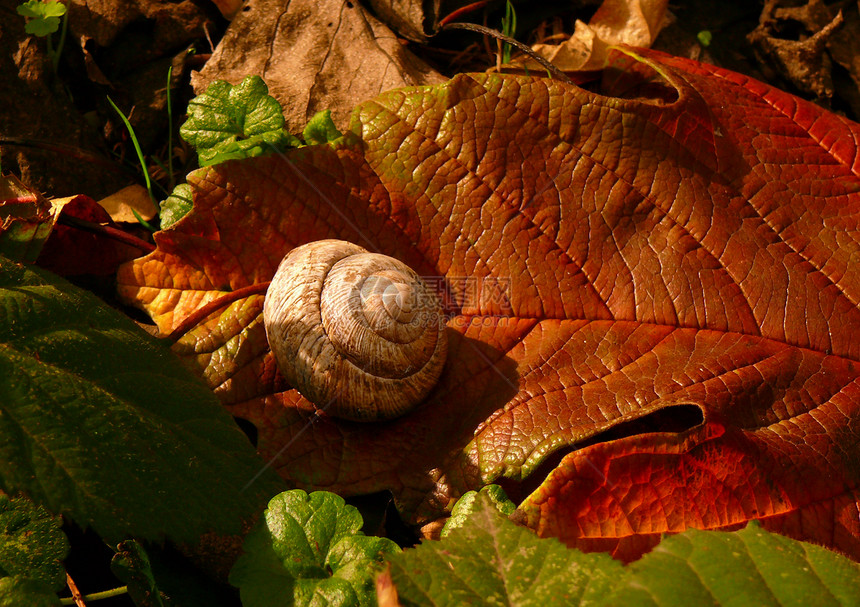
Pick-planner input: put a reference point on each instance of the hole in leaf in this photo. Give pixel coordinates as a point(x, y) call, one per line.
point(381, 518)
point(248, 428)
point(677, 418)
point(674, 419)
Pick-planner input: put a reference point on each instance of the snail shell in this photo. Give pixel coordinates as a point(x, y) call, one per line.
point(359, 334)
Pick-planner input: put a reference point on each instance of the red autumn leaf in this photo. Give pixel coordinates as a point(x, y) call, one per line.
point(71, 251)
point(26, 220)
point(656, 294)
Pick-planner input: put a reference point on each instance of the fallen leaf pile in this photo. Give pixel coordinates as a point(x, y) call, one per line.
point(653, 292)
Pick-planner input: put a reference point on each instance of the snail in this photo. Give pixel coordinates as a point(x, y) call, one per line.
point(359, 334)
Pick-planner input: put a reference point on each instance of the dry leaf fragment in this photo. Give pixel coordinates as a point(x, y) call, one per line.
point(313, 56)
point(805, 62)
point(26, 220)
point(633, 22)
point(228, 8)
point(122, 205)
point(407, 17)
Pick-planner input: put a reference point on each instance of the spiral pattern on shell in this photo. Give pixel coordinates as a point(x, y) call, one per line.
point(359, 334)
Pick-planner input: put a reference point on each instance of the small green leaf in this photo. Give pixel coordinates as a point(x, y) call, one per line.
point(321, 129)
point(490, 560)
point(228, 122)
point(467, 503)
point(131, 565)
point(32, 545)
point(37, 8)
point(309, 550)
point(42, 27)
point(176, 206)
point(16, 591)
point(100, 421)
point(44, 16)
point(705, 37)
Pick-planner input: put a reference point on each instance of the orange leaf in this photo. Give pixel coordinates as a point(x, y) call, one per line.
point(654, 296)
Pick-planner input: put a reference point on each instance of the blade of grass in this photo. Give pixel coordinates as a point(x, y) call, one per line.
point(136, 149)
point(509, 28)
point(55, 57)
point(171, 181)
point(144, 222)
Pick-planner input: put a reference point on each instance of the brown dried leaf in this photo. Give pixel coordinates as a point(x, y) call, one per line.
point(314, 56)
point(633, 22)
point(122, 205)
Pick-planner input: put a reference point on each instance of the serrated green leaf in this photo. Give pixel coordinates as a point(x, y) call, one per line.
point(16, 591)
point(466, 505)
point(747, 567)
point(309, 550)
point(100, 421)
point(228, 122)
point(321, 129)
point(131, 565)
point(176, 206)
point(32, 545)
point(490, 560)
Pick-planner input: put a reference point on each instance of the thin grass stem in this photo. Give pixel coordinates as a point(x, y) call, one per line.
point(136, 149)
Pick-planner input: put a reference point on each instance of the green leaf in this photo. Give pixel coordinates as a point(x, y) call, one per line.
point(32, 545)
point(321, 129)
point(100, 421)
point(131, 565)
point(468, 502)
point(747, 567)
point(37, 9)
point(490, 560)
point(309, 550)
point(16, 591)
point(229, 122)
point(45, 16)
point(176, 206)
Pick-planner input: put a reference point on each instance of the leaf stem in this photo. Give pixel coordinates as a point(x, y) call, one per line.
point(96, 596)
point(55, 57)
point(76, 598)
point(472, 27)
point(200, 314)
point(462, 11)
point(107, 231)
